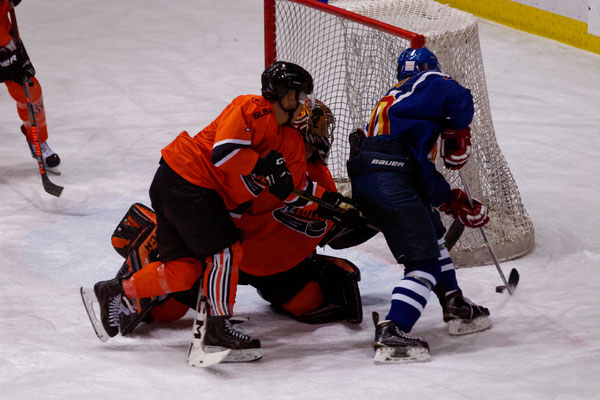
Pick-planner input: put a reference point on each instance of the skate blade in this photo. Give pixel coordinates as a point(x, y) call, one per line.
point(459, 327)
point(391, 355)
point(200, 358)
point(235, 356)
point(89, 298)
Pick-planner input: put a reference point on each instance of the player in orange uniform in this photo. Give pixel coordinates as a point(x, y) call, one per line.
point(250, 147)
point(279, 257)
point(279, 246)
point(15, 66)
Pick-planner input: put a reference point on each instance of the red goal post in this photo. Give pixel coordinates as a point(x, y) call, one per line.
point(351, 47)
point(416, 41)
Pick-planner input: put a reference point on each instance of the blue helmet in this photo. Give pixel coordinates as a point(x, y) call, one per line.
point(413, 61)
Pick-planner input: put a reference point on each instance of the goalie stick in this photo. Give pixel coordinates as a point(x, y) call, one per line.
point(451, 237)
point(514, 274)
point(49, 186)
point(197, 354)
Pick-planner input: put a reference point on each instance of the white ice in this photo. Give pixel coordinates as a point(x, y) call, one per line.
point(122, 78)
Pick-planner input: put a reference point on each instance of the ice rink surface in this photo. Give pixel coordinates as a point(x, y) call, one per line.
point(122, 78)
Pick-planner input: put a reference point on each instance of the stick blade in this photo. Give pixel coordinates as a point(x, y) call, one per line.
point(79, 196)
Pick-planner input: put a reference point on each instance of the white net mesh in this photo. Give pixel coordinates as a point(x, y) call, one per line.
point(353, 65)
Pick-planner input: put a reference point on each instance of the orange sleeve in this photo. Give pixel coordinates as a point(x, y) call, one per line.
point(231, 150)
point(320, 173)
point(5, 25)
point(277, 238)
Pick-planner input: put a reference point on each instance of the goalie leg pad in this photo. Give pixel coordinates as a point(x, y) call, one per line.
point(318, 290)
point(132, 226)
point(339, 283)
point(339, 298)
point(308, 299)
point(142, 252)
point(337, 279)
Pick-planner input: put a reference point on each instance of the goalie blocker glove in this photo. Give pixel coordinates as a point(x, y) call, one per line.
point(475, 216)
point(456, 147)
point(275, 173)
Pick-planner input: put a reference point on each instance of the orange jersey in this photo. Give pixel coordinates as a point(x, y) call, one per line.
point(279, 236)
point(223, 155)
point(5, 25)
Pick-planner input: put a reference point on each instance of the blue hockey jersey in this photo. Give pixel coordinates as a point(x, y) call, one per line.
point(408, 120)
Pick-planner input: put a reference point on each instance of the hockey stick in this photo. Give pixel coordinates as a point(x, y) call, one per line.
point(451, 237)
point(453, 234)
point(197, 355)
point(338, 213)
point(49, 187)
point(514, 275)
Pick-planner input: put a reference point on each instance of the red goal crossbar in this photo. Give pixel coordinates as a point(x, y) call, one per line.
point(416, 40)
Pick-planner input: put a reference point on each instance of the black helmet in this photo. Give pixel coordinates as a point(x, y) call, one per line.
point(281, 77)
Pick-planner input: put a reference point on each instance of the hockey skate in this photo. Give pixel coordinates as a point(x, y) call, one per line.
point(222, 335)
point(111, 303)
point(462, 315)
point(51, 159)
point(394, 346)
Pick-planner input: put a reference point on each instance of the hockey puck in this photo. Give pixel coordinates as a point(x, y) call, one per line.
point(500, 289)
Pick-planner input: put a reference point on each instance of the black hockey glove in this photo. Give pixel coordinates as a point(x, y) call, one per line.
point(332, 210)
point(14, 63)
point(333, 199)
point(274, 171)
point(356, 139)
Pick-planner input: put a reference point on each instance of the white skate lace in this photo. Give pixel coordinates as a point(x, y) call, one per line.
point(404, 335)
point(119, 305)
point(114, 311)
point(237, 332)
point(398, 331)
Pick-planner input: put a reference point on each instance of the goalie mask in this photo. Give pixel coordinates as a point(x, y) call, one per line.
point(316, 123)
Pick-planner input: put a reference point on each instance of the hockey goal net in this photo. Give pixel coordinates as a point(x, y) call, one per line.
point(351, 48)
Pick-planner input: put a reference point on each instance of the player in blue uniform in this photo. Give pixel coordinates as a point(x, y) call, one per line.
point(398, 187)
